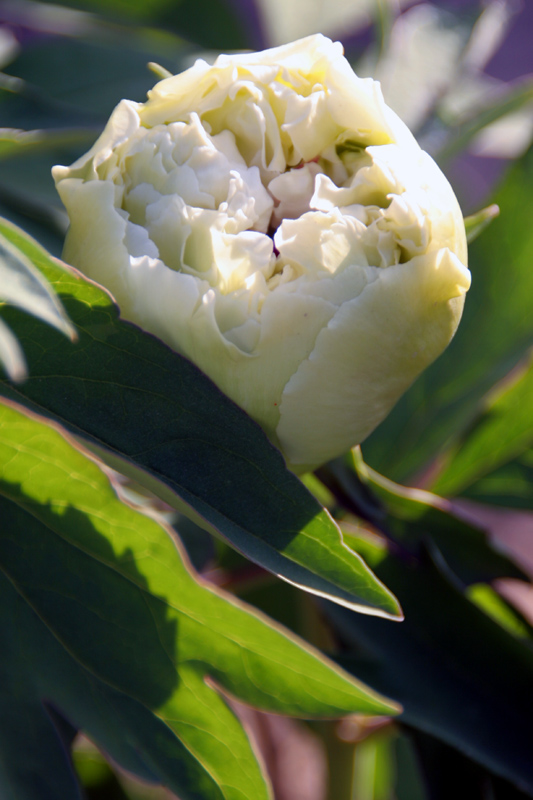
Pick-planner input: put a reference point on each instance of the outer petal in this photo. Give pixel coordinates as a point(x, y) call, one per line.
point(289, 326)
point(95, 239)
point(122, 124)
point(368, 355)
point(447, 225)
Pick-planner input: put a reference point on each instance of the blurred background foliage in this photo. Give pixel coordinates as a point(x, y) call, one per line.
point(460, 74)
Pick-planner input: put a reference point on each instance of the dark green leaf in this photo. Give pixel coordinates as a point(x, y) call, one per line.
point(210, 23)
point(27, 191)
point(27, 158)
point(27, 107)
point(445, 768)
point(414, 518)
point(171, 429)
point(459, 675)
point(56, 102)
point(417, 517)
point(502, 432)
point(72, 82)
point(510, 485)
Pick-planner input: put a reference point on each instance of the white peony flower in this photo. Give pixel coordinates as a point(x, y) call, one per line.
point(270, 218)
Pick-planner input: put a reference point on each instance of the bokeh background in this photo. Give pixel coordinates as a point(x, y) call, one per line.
point(460, 73)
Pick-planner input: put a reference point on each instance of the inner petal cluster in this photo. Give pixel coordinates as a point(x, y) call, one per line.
point(264, 188)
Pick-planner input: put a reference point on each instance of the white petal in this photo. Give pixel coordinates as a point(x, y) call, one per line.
point(138, 243)
point(293, 191)
point(309, 125)
point(320, 243)
point(95, 240)
point(122, 124)
point(368, 355)
point(238, 257)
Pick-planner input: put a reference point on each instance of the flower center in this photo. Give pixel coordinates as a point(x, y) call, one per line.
point(207, 206)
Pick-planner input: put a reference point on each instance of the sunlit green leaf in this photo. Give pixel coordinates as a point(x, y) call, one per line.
point(14, 141)
point(101, 619)
point(373, 771)
point(495, 607)
point(22, 285)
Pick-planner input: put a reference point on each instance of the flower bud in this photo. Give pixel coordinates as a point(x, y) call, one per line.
point(270, 218)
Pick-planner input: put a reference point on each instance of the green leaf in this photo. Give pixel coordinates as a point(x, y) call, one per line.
point(417, 517)
point(57, 100)
point(495, 607)
point(502, 432)
point(510, 485)
point(373, 769)
point(458, 674)
point(444, 769)
point(169, 428)
point(476, 223)
point(14, 141)
point(64, 92)
point(22, 285)
point(26, 106)
point(494, 335)
point(73, 81)
point(210, 23)
point(412, 518)
point(11, 355)
point(455, 664)
point(102, 620)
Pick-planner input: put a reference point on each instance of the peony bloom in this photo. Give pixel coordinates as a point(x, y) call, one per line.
point(270, 218)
